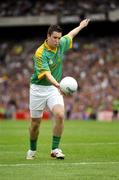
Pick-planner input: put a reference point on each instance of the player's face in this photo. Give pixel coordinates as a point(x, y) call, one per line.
point(53, 39)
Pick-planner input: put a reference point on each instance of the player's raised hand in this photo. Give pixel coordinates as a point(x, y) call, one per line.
point(84, 23)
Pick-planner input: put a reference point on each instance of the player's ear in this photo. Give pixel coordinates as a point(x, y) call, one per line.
point(48, 35)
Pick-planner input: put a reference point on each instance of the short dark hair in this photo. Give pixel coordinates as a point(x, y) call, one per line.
point(53, 28)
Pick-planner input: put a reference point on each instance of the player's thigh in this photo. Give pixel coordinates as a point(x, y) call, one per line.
point(37, 101)
point(36, 115)
point(56, 105)
point(55, 99)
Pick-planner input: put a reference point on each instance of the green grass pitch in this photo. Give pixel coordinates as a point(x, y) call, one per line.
point(91, 149)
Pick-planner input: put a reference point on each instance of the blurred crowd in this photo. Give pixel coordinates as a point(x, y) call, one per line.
point(93, 62)
point(36, 7)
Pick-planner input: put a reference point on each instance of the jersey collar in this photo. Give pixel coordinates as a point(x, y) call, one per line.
point(49, 48)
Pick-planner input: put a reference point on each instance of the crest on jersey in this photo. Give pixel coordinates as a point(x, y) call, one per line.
point(50, 62)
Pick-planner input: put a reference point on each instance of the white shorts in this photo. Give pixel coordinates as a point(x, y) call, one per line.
point(42, 97)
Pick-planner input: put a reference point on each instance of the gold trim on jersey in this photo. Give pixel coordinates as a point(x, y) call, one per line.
point(70, 40)
point(39, 51)
point(40, 76)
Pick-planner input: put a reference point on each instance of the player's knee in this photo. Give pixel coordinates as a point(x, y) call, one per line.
point(59, 115)
point(58, 112)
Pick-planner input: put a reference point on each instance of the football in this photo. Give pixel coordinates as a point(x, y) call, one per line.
point(68, 85)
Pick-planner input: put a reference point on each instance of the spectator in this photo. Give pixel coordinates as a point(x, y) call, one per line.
point(95, 65)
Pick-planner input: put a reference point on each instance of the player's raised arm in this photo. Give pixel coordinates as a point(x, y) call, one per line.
point(76, 30)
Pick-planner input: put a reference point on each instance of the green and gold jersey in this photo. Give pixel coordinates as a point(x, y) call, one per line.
point(45, 59)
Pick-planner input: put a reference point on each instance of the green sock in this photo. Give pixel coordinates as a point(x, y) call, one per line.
point(55, 142)
point(33, 144)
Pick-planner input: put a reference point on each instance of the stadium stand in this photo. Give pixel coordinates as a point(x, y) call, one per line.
point(93, 62)
point(29, 7)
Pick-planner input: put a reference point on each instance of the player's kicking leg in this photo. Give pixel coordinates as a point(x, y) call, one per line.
point(58, 127)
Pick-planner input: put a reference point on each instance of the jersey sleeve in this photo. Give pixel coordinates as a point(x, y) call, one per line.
point(41, 66)
point(66, 42)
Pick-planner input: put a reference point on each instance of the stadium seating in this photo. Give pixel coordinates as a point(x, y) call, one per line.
point(94, 63)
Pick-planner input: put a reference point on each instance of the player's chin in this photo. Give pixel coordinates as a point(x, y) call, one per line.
point(56, 45)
